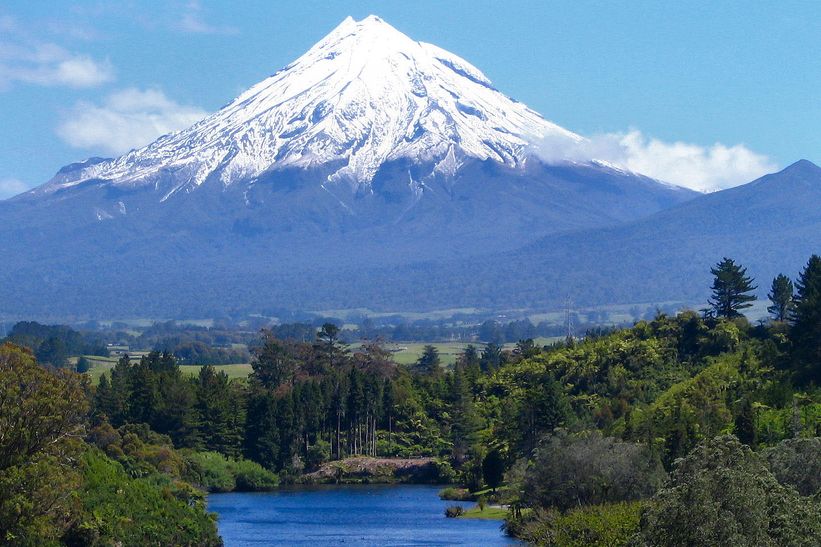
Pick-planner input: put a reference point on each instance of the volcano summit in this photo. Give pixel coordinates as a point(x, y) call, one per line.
point(370, 149)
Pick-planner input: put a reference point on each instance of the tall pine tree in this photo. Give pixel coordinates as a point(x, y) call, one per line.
point(217, 428)
point(731, 289)
point(275, 363)
point(806, 331)
point(118, 408)
point(466, 422)
point(781, 296)
point(429, 362)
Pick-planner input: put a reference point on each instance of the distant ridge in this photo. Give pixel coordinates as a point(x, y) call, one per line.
point(771, 225)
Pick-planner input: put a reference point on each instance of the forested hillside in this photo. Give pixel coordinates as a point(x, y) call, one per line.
point(581, 438)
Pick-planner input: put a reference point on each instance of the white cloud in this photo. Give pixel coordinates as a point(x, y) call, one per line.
point(11, 187)
point(49, 65)
point(193, 21)
point(127, 119)
point(702, 168)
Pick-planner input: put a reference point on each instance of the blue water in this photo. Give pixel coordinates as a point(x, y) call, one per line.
point(348, 515)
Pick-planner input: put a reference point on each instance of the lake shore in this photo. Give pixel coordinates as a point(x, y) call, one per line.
point(370, 470)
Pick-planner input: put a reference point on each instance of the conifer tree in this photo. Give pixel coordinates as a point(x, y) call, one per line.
point(806, 331)
point(103, 398)
point(262, 442)
point(471, 361)
point(118, 410)
point(82, 365)
point(466, 421)
point(745, 423)
point(492, 357)
point(216, 426)
point(429, 362)
point(731, 289)
point(781, 296)
point(354, 409)
point(275, 363)
point(493, 469)
point(334, 353)
point(542, 408)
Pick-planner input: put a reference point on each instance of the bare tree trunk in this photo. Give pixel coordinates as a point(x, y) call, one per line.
point(338, 427)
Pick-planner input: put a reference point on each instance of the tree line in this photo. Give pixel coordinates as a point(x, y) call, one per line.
point(621, 427)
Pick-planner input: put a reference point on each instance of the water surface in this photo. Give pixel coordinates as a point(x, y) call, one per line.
point(348, 515)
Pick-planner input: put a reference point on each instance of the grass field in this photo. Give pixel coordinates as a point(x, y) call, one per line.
point(99, 365)
point(404, 353)
point(490, 513)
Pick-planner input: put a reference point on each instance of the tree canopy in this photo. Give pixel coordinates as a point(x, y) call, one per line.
point(722, 493)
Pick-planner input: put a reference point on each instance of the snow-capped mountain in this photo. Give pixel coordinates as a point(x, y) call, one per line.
point(369, 151)
point(363, 95)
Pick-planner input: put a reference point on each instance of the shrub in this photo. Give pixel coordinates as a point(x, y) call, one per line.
point(597, 525)
point(444, 471)
point(252, 477)
point(215, 473)
point(117, 509)
point(454, 511)
point(82, 365)
point(797, 463)
point(589, 469)
point(318, 453)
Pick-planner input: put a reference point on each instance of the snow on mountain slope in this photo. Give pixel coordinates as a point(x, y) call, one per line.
point(364, 95)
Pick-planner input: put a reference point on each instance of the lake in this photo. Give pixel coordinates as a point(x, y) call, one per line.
point(349, 515)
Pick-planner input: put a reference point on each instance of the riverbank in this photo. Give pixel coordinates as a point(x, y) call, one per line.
point(489, 512)
point(370, 470)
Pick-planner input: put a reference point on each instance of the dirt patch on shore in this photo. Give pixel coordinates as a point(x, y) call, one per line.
point(364, 469)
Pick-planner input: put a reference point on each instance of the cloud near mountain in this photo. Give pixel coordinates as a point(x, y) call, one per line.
point(126, 119)
point(694, 166)
point(11, 187)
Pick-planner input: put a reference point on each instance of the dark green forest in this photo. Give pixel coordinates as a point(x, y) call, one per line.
point(696, 428)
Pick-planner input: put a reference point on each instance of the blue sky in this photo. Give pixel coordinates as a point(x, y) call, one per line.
point(665, 81)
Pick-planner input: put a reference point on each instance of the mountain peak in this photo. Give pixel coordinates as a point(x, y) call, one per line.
point(364, 95)
point(803, 167)
point(370, 20)
point(356, 34)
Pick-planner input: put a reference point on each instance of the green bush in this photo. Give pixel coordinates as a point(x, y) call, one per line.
point(82, 365)
point(454, 511)
point(318, 453)
point(210, 471)
point(119, 510)
point(215, 473)
point(797, 463)
point(252, 477)
point(596, 525)
point(444, 471)
point(588, 469)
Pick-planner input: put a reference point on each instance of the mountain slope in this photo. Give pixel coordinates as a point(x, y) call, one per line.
point(771, 225)
point(369, 152)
